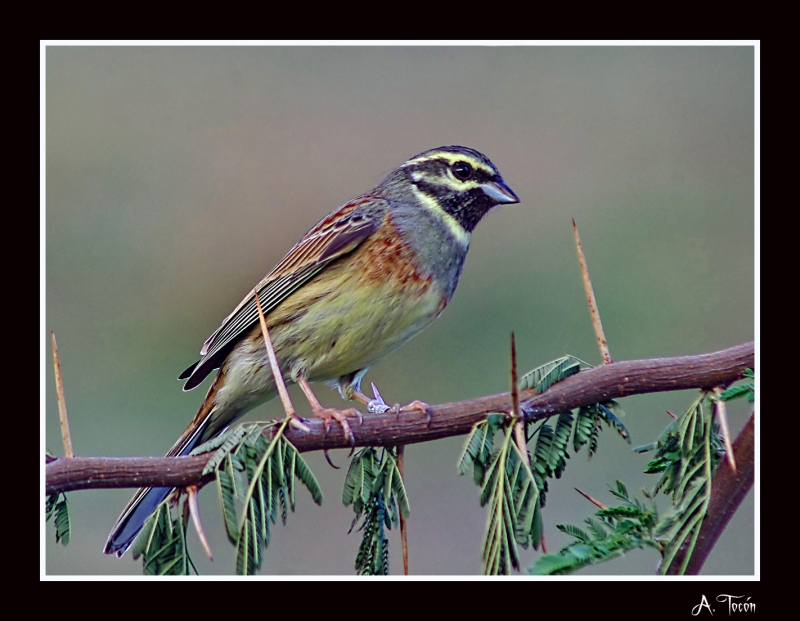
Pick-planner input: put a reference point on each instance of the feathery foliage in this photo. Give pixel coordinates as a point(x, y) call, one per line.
point(686, 456)
point(375, 488)
point(505, 475)
point(541, 378)
point(162, 543)
point(612, 532)
point(512, 493)
point(588, 424)
point(56, 505)
point(254, 475)
point(479, 446)
point(742, 390)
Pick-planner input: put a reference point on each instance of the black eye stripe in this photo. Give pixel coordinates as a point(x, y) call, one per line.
point(441, 168)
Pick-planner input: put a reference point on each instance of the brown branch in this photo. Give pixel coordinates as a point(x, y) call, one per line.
point(401, 451)
point(728, 490)
point(64, 475)
point(611, 381)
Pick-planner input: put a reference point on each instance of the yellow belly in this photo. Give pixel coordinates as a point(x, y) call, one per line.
point(342, 323)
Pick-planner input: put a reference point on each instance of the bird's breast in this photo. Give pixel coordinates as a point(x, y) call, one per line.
point(358, 309)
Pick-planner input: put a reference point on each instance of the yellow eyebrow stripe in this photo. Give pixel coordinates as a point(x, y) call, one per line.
point(459, 232)
point(456, 185)
point(450, 158)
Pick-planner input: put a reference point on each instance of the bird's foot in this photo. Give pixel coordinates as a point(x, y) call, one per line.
point(329, 414)
point(417, 406)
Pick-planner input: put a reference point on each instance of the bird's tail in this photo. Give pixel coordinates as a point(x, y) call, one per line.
point(145, 501)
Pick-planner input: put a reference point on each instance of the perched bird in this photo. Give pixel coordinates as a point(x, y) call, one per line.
point(366, 279)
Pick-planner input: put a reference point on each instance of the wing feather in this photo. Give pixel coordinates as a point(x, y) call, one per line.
point(338, 234)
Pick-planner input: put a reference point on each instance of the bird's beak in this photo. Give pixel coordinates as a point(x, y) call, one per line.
point(500, 192)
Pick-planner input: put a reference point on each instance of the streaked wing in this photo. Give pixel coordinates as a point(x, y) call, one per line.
point(336, 235)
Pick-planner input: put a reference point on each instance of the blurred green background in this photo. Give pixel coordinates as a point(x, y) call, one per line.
point(178, 176)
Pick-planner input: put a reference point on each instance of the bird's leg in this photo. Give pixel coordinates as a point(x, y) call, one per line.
point(378, 406)
point(374, 406)
point(327, 414)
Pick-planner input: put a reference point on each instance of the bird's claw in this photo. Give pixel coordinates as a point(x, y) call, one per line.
point(419, 406)
point(328, 414)
point(328, 459)
point(300, 423)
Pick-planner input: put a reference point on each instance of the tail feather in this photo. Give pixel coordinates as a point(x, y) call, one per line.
point(142, 505)
point(209, 421)
point(145, 501)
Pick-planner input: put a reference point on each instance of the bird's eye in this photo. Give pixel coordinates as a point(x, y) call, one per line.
point(462, 170)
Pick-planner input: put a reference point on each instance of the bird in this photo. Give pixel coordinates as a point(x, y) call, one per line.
point(362, 282)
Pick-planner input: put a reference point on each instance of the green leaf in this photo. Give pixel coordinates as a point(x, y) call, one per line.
point(375, 489)
point(558, 449)
point(595, 435)
point(251, 469)
point(56, 504)
point(555, 564)
point(306, 477)
point(224, 444)
point(617, 530)
point(227, 495)
point(353, 481)
point(686, 456)
point(598, 529)
point(399, 490)
point(291, 456)
point(574, 531)
point(735, 392)
point(605, 412)
point(509, 492)
point(62, 520)
point(472, 448)
point(478, 448)
point(49, 506)
point(369, 475)
point(584, 425)
point(544, 442)
point(490, 479)
point(620, 512)
point(549, 373)
point(144, 539)
point(162, 544)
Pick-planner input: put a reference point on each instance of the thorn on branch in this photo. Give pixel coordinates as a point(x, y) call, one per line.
point(721, 413)
point(595, 502)
point(62, 403)
point(195, 513)
point(595, 313)
point(273, 362)
point(519, 429)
